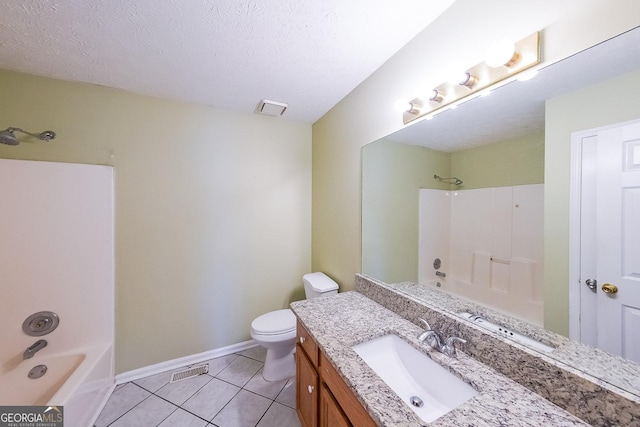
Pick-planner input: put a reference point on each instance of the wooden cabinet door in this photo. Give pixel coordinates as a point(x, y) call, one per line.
point(330, 413)
point(306, 390)
point(308, 344)
point(343, 395)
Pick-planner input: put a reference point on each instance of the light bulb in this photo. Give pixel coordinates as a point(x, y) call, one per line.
point(402, 106)
point(501, 53)
point(458, 78)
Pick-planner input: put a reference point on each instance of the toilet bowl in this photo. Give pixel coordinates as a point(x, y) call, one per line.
point(276, 330)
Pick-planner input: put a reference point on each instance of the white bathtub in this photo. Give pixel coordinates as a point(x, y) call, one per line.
point(80, 381)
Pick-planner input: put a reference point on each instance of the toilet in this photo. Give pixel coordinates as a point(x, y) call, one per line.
point(276, 330)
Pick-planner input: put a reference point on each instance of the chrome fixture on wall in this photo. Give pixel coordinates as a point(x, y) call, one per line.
point(40, 323)
point(31, 351)
point(452, 180)
point(8, 137)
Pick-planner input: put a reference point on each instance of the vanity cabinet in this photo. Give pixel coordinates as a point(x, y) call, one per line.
point(322, 397)
point(330, 412)
point(307, 389)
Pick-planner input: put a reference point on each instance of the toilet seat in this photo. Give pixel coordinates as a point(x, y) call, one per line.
point(279, 322)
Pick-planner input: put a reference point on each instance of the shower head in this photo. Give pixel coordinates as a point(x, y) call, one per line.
point(453, 180)
point(8, 137)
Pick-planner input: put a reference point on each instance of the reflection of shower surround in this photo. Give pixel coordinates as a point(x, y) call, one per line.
point(490, 241)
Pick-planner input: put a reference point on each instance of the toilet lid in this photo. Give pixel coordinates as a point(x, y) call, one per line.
point(275, 322)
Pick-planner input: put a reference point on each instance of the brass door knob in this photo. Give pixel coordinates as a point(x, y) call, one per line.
point(608, 288)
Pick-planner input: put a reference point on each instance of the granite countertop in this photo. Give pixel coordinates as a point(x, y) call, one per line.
point(340, 321)
point(609, 371)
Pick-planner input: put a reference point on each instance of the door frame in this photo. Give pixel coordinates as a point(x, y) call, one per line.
point(575, 197)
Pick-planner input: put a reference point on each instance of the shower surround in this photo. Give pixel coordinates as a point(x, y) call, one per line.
point(56, 255)
point(490, 245)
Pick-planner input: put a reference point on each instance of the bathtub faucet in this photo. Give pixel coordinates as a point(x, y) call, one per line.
point(29, 352)
point(440, 274)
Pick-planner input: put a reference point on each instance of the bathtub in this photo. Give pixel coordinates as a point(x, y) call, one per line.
point(80, 381)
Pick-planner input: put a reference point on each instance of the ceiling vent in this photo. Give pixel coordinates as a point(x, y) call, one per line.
point(271, 108)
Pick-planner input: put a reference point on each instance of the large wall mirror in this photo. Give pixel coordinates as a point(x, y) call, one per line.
point(488, 228)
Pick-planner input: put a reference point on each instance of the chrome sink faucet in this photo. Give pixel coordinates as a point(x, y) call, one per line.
point(29, 352)
point(433, 339)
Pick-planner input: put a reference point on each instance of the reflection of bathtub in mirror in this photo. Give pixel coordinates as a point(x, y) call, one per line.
point(489, 243)
point(581, 357)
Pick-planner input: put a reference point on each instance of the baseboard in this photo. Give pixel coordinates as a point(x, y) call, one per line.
point(169, 365)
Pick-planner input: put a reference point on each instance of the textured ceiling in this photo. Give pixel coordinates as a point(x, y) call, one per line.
point(224, 53)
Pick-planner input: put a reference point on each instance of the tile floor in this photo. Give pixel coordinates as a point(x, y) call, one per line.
point(232, 394)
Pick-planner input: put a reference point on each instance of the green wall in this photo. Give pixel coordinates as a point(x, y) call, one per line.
point(212, 208)
point(516, 161)
point(392, 174)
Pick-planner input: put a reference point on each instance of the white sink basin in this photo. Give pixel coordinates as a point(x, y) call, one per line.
point(412, 374)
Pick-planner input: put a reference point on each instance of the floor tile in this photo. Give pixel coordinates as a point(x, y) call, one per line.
point(149, 413)
point(257, 353)
point(180, 391)
point(279, 416)
point(120, 402)
point(181, 418)
point(155, 382)
point(244, 410)
point(288, 394)
point(268, 389)
point(211, 398)
point(218, 364)
point(240, 371)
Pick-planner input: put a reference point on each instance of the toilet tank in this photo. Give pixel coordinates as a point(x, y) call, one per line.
point(318, 284)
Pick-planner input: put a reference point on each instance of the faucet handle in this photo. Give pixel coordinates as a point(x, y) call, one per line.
point(449, 345)
point(425, 334)
point(426, 324)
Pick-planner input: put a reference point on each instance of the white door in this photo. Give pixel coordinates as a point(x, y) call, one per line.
point(610, 240)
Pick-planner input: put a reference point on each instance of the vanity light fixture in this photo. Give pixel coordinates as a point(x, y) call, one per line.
point(437, 96)
point(499, 68)
point(409, 106)
point(468, 80)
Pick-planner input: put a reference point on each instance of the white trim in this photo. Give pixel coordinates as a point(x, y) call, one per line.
point(575, 197)
point(146, 371)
